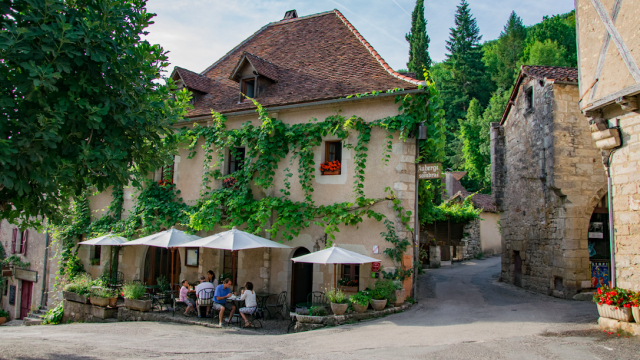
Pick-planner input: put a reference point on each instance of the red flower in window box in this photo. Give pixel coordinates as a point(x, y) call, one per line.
point(165, 182)
point(331, 167)
point(229, 182)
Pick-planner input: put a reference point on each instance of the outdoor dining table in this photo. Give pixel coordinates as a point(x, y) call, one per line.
point(262, 299)
point(238, 304)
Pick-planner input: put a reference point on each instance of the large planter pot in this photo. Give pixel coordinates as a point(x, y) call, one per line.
point(621, 313)
point(140, 305)
point(113, 302)
point(636, 314)
point(339, 309)
point(359, 308)
point(310, 319)
point(378, 304)
point(2, 320)
point(334, 172)
point(400, 297)
point(97, 301)
point(70, 296)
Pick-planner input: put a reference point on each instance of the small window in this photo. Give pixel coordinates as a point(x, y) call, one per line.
point(528, 99)
point(248, 87)
point(192, 257)
point(95, 256)
point(236, 159)
point(350, 275)
point(332, 158)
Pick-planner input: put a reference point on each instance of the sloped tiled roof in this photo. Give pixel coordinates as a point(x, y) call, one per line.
point(317, 57)
point(480, 201)
point(193, 80)
point(458, 174)
point(556, 73)
point(262, 66)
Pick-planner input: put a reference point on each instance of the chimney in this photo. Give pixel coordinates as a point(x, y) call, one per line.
point(291, 14)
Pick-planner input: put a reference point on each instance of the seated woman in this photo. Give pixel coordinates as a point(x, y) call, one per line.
point(211, 277)
point(250, 303)
point(184, 290)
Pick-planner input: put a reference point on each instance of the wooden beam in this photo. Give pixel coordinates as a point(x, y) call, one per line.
point(610, 99)
point(617, 40)
point(605, 47)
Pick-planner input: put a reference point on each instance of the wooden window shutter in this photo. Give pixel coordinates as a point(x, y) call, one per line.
point(25, 237)
point(14, 238)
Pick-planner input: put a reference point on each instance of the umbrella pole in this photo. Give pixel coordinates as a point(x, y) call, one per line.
point(233, 271)
point(110, 265)
point(335, 283)
point(173, 250)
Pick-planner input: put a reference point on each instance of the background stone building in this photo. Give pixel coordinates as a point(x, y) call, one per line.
point(608, 58)
point(546, 181)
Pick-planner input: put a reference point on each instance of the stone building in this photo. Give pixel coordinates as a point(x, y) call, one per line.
point(547, 182)
point(27, 288)
point(608, 58)
point(298, 68)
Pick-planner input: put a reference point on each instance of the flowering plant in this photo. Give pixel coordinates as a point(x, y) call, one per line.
point(330, 166)
point(345, 281)
point(229, 182)
point(615, 297)
point(634, 299)
point(165, 182)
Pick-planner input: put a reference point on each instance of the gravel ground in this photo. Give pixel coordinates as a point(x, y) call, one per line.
point(463, 313)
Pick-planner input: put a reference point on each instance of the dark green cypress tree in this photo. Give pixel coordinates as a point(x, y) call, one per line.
point(418, 42)
point(468, 78)
point(509, 51)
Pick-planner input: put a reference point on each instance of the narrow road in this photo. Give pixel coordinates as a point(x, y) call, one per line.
point(464, 313)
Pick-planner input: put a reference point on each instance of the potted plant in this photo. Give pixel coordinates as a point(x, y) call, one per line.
point(614, 303)
point(113, 300)
point(3, 316)
point(379, 298)
point(100, 296)
point(331, 167)
point(316, 315)
point(360, 301)
point(134, 297)
point(338, 301)
point(635, 310)
point(94, 262)
point(79, 289)
point(399, 292)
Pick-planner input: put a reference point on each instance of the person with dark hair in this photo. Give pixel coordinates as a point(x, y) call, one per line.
point(184, 290)
point(211, 277)
point(222, 293)
point(250, 303)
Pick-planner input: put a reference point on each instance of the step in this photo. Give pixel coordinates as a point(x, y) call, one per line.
point(35, 316)
point(30, 321)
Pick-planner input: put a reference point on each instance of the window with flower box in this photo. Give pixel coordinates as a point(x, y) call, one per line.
point(332, 164)
point(350, 277)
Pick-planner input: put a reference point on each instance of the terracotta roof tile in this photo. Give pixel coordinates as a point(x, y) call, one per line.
point(557, 73)
point(193, 80)
point(459, 174)
point(317, 57)
point(480, 201)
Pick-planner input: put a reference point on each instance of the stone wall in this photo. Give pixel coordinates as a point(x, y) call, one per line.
point(471, 242)
point(546, 183)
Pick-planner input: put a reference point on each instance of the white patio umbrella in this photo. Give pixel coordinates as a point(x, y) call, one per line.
point(109, 240)
point(168, 239)
point(335, 255)
point(234, 240)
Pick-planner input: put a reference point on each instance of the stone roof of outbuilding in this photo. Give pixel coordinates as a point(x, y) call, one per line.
point(479, 201)
point(548, 73)
point(316, 57)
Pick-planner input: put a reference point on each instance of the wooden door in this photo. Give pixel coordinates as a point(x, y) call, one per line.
point(25, 299)
point(301, 279)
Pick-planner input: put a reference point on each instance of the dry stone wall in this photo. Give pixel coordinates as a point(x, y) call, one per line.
point(547, 180)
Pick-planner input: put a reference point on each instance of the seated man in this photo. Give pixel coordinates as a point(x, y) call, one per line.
point(223, 292)
point(207, 299)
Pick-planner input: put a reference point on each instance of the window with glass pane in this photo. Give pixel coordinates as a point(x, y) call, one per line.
point(248, 87)
point(333, 151)
point(236, 159)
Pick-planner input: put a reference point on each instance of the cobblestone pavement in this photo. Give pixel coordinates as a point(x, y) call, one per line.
point(463, 313)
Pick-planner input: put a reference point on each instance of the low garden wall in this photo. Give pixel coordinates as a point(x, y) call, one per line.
point(334, 320)
point(78, 312)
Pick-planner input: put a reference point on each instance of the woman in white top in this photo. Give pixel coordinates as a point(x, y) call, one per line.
point(250, 303)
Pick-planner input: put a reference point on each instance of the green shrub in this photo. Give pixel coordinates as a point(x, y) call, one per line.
point(54, 316)
point(163, 283)
point(102, 293)
point(361, 298)
point(134, 291)
point(4, 314)
point(80, 285)
point(410, 300)
point(317, 311)
point(384, 289)
point(336, 296)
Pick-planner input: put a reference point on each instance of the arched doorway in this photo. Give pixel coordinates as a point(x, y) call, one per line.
point(600, 244)
point(158, 262)
point(301, 279)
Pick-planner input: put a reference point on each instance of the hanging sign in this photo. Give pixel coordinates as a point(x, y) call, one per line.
point(375, 267)
point(429, 171)
point(28, 275)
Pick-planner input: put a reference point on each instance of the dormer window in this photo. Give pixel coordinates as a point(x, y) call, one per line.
point(248, 87)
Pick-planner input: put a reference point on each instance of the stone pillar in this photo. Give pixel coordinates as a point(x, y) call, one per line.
point(498, 171)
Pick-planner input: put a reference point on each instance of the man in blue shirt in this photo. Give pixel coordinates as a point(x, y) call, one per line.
point(220, 296)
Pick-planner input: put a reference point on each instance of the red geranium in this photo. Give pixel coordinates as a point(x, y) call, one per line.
point(330, 166)
point(616, 297)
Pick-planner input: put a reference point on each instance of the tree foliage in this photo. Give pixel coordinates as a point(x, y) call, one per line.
point(80, 102)
point(547, 53)
point(418, 39)
point(502, 55)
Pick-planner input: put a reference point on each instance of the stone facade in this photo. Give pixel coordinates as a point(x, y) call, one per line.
point(610, 84)
point(472, 245)
point(546, 182)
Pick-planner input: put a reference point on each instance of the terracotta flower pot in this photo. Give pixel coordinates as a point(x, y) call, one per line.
point(400, 297)
point(621, 313)
point(74, 297)
point(140, 305)
point(334, 172)
point(359, 308)
point(113, 302)
point(99, 301)
point(378, 304)
point(636, 314)
point(2, 320)
point(339, 309)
